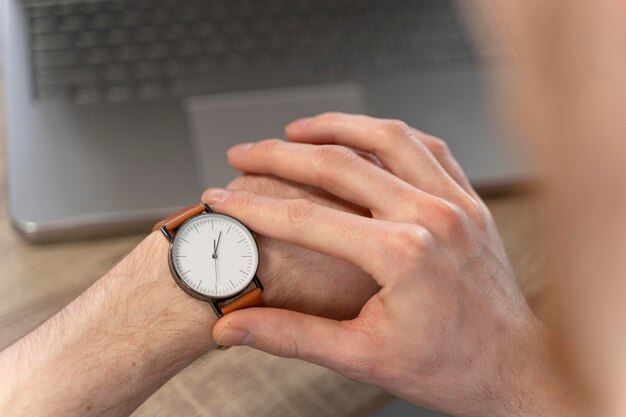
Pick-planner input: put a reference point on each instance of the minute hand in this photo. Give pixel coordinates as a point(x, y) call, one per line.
point(219, 237)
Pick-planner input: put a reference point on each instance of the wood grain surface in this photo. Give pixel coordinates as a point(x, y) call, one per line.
point(37, 281)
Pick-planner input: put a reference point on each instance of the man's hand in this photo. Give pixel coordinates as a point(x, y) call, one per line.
point(134, 329)
point(449, 329)
point(301, 279)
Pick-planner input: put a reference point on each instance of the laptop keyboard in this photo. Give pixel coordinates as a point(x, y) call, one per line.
point(125, 50)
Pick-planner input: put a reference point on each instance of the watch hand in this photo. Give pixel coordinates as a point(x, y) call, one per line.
point(218, 242)
point(216, 278)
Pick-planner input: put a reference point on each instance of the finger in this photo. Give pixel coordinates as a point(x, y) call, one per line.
point(392, 141)
point(281, 188)
point(289, 334)
point(448, 162)
point(333, 168)
point(370, 158)
point(355, 239)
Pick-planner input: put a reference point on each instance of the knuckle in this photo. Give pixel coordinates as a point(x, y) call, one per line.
point(268, 145)
point(327, 117)
point(397, 128)
point(240, 201)
point(264, 185)
point(478, 212)
point(450, 218)
point(333, 156)
point(409, 242)
point(413, 201)
point(299, 212)
point(438, 147)
point(240, 182)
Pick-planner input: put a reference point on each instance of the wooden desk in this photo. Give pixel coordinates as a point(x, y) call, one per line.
point(37, 281)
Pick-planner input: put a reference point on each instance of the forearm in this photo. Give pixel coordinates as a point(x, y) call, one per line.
point(111, 348)
point(536, 381)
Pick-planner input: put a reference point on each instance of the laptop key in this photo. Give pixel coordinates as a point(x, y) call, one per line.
point(146, 34)
point(87, 95)
point(116, 73)
point(115, 5)
point(157, 50)
point(118, 94)
point(146, 70)
point(100, 21)
point(55, 41)
point(72, 23)
point(129, 18)
point(149, 91)
point(203, 64)
point(39, 11)
point(97, 56)
point(65, 9)
point(175, 68)
point(43, 25)
point(204, 29)
point(127, 53)
point(71, 76)
point(118, 36)
point(188, 48)
point(91, 7)
point(88, 39)
point(57, 58)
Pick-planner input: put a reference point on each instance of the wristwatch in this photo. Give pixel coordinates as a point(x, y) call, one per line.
point(213, 257)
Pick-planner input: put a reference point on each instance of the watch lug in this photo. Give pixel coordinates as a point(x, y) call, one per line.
point(207, 208)
point(217, 308)
point(258, 283)
point(167, 233)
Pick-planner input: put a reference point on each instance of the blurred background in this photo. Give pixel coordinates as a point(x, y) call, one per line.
point(118, 112)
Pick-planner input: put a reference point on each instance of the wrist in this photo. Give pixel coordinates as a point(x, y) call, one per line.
point(161, 301)
point(148, 292)
point(133, 325)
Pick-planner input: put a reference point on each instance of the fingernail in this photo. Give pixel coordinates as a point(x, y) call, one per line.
point(241, 148)
point(215, 195)
point(299, 124)
point(235, 337)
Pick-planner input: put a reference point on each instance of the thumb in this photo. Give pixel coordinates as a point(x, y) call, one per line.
point(286, 333)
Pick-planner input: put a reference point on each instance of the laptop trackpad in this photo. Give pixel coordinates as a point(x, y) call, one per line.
point(218, 121)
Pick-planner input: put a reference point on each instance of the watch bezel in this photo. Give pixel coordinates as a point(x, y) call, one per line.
point(198, 295)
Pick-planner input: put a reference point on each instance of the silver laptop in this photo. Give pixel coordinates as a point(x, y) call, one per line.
point(119, 112)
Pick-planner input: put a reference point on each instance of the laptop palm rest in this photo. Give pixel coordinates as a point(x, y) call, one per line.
point(218, 121)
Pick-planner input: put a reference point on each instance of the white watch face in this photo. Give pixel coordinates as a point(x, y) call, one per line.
point(214, 255)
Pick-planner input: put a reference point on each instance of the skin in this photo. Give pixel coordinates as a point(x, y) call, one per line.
point(448, 329)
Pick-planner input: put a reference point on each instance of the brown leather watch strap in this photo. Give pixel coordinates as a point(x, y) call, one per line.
point(250, 299)
point(173, 221)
